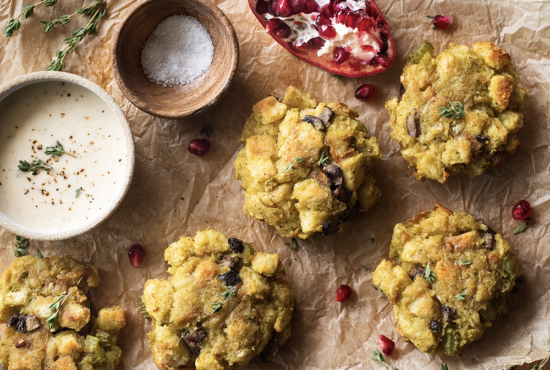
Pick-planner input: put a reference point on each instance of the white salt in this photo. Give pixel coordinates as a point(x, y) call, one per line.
point(178, 51)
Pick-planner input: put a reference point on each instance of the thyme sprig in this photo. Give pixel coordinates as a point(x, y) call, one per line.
point(216, 306)
point(453, 111)
point(88, 10)
point(34, 166)
point(291, 165)
point(77, 192)
point(38, 254)
point(521, 228)
point(461, 296)
point(377, 356)
point(443, 367)
point(293, 244)
point(57, 150)
point(99, 11)
point(364, 268)
point(143, 309)
point(323, 160)
point(21, 245)
point(229, 292)
point(543, 362)
point(55, 307)
point(28, 10)
point(429, 274)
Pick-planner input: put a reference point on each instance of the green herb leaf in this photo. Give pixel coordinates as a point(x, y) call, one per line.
point(338, 77)
point(55, 307)
point(429, 274)
point(36, 165)
point(77, 192)
point(28, 10)
point(461, 296)
point(364, 268)
point(216, 306)
point(291, 165)
point(542, 363)
point(20, 246)
point(143, 309)
point(444, 367)
point(521, 228)
point(374, 287)
point(52, 150)
point(293, 244)
point(206, 130)
point(464, 263)
point(289, 262)
point(229, 292)
point(323, 160)
point(377, 356)
point(246, 245)
point(38, 254)
point(452, 112)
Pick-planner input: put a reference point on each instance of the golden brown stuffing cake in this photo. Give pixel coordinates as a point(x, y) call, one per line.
point(44, 303)
point(223, 305)
point(448, 278)
point(305, 166)
point(487, 96)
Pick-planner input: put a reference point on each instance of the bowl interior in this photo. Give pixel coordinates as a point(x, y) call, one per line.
point(180, 100)
point(122, 187)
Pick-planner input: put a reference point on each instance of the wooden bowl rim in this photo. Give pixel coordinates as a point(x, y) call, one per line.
point(185, 113)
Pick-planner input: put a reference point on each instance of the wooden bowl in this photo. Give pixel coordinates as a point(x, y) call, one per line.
point(180, 100)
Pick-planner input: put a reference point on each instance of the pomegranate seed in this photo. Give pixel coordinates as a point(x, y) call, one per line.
point(340, 55)
point(278, 27)
point(316, 43)
point(351, 20)
point(386, 344)
point(136, 254)
point(364, 24)
point(284, 8)
point(355, 66)
point(328, 32)
point(199, 147)
point(383, 61)
point(322, 20)
point(311, 6)
point(384, 47)
point(365, 92)
point(328, 11)
point(441, 21)
point(340, 6)
point(262, 7)
point(521, 210)
point(297, 6)
point(341, 16)
point(371, 10)
point(343, 292)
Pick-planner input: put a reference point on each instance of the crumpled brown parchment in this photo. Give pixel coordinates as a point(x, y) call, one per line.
point(175, 193)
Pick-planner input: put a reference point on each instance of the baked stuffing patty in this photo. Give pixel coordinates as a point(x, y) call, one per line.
point(223, 304)
point(438, 141)
point(39, 339)
point(305, 167)
point(448, 277)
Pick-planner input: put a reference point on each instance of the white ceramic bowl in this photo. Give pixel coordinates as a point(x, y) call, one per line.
point(103, 214)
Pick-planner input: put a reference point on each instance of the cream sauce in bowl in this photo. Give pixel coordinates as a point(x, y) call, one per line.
point(75, 190)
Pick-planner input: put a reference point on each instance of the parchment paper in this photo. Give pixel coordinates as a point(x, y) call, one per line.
point(175, 193)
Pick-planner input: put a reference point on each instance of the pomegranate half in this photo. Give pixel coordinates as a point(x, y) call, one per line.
point(345, 37)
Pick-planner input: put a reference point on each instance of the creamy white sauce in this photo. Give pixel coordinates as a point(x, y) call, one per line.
point(37, 116)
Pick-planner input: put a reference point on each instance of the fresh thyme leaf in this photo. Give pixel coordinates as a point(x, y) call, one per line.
point(542, 363)
point(246, 245)
point(20, 246)
point(374, 287)
point(323, 160)
point(38, 254)
point(216, 306)
point(521, 228)
point(444, 367)
point(291, 165)
point(293, 244)
point(77, 192)
point(377, 356)
point(229, 292)
point(464, 263)
point(461, 296)
point(28, 10)
point(338, 77)
point(36, 165)
point(143, 309)
point(206, 130)
point(52, 150)
point(429, 274)
point(364, 268)
point(55, 307)
point(452, 112)
point(289, 262)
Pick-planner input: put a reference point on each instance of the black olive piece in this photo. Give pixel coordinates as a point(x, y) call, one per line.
point(413, 124)
point(350, 213)
point(231, 278)
point(193, 339)
point(326, 116)
point(228, 261)
point(489, 238)
point(315, 122)
point(448, 313)
point(270, 350)
point(482, 139)
point(17, 323)
point(236, 245)
point(435, 326)
point(342, 194)
point(335, 174)
point(416, 270)
point(330, 228)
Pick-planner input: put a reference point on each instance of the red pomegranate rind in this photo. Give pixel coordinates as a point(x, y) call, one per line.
point(372, 49)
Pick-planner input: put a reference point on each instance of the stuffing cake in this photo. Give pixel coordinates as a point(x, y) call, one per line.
point(305, 166)
point(223, 304)
point(448, 277)
point(459, 111)
point(44, 303)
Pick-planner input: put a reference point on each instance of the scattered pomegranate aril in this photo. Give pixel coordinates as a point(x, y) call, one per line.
point(136, 254)
point(340, 55)
point(262, 7)
point(284, 8)
point(343, 292)
point(441, 21)
point(365, 92)
point(278, 27)
point(199, 147)
point(521, 210)
point(387, 345)
point(327, 32)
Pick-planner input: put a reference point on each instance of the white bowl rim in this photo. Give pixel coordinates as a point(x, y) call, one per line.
point(66, 233)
